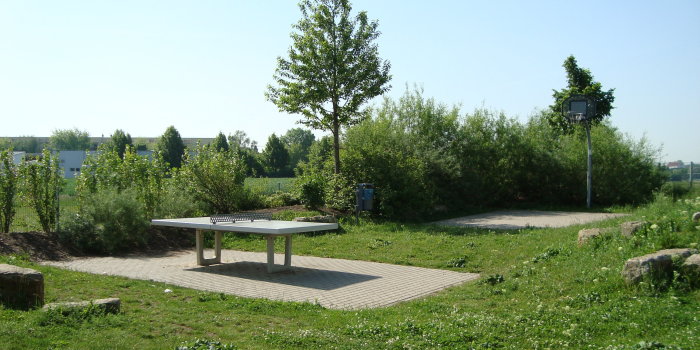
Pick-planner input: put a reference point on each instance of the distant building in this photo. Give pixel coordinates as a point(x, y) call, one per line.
point(675, 165)
point(71, 162)
point(18, 157)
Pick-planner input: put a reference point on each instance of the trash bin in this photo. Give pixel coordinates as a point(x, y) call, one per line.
point(365, 196)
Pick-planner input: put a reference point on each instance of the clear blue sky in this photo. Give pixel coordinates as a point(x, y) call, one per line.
point(203, 66)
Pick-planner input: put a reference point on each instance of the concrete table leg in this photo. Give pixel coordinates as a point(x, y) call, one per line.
point(270, 254)
point(288, 251)
point(200, 248)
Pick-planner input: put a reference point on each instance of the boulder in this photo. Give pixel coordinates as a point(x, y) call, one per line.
point(589, 233)
point(696, 216)
point(21, 287)
point(655, 266)
point(107, 306)
point(628, 229)
point(321, 218)
point(691, 268)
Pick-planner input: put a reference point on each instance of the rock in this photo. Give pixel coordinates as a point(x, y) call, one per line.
point(321, 218)
point(696, 216)
point(691, 269)
point(628, 229)
point(589, 233)
point(21, 287)
point(107, 306)
point(656, 266)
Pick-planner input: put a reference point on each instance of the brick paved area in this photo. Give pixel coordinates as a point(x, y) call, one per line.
point(332, 283)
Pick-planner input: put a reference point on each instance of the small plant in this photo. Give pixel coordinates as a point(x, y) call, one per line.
point(548, 254)
point(378, 243)
point(457, 262)
point(202, 344)
point(494, 279)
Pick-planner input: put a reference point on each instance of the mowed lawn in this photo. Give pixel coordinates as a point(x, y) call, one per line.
point(538, 290)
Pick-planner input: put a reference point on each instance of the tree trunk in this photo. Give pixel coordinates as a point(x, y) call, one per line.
point(336, 138)
point(336, 148)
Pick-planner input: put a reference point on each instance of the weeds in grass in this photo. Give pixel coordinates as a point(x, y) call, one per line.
point(457, 262)
point(202, 344)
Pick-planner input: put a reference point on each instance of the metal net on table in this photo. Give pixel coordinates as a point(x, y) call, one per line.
point(216, 218)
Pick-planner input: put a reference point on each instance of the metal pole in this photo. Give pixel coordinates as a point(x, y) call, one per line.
point(690, 173)
point(589, 174)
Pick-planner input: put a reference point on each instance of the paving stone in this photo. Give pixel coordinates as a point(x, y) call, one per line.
point(331, 283)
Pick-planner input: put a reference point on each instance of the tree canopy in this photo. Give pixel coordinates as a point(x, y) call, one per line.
point(276, 156)
point(171, 147)
point(333, 68)
point(580, 82)
point(120, 140)
point(298, 142)
point(219, 143)
point(70, 140)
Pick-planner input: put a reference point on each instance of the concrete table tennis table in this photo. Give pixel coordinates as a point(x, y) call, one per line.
point(268, 228)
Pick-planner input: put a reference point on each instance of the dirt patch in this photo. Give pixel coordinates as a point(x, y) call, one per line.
point(38, 245)
point(42, 246)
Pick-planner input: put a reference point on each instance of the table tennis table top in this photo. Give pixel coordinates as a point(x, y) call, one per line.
point(269, 227)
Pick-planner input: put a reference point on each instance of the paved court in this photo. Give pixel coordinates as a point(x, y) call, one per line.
point(332, 283)
point(517, 219)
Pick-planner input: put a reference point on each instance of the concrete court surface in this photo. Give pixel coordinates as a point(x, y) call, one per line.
point(331, 283)
point(517, 219)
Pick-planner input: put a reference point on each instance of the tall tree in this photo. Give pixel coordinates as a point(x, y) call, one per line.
point(332, 70)
point(70, 140)
point(298, 142)
point(240, 140)
point(276, 156)
point(580, 82)
point(219, 143)
point(120, 140)
point(171, 147)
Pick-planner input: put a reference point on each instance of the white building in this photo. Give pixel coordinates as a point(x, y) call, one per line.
point(71, 162)
point(18, 157)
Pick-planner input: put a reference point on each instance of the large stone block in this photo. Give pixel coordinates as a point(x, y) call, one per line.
point(691, 269)
point(696, 217)
point(21, 287)
point(586, 234)
point(655, 266)
point(628, 229)
point(109, 305)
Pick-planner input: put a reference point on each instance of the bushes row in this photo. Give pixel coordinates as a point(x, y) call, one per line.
point(36, 182)
point(421, 155)
point(119, 195)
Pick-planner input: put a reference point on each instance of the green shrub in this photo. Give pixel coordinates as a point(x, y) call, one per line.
point(280, 199)
point(106, 170)
point(176, 202)
point(108, 222)
point(216, 178)
point(42, 183)
point(8, 189)
point(310, 189)
point(674, 189)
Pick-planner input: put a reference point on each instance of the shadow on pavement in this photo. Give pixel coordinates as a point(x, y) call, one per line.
point(298, 276)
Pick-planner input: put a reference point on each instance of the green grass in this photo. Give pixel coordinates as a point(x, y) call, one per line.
point(269, 185)
point(538, 290)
